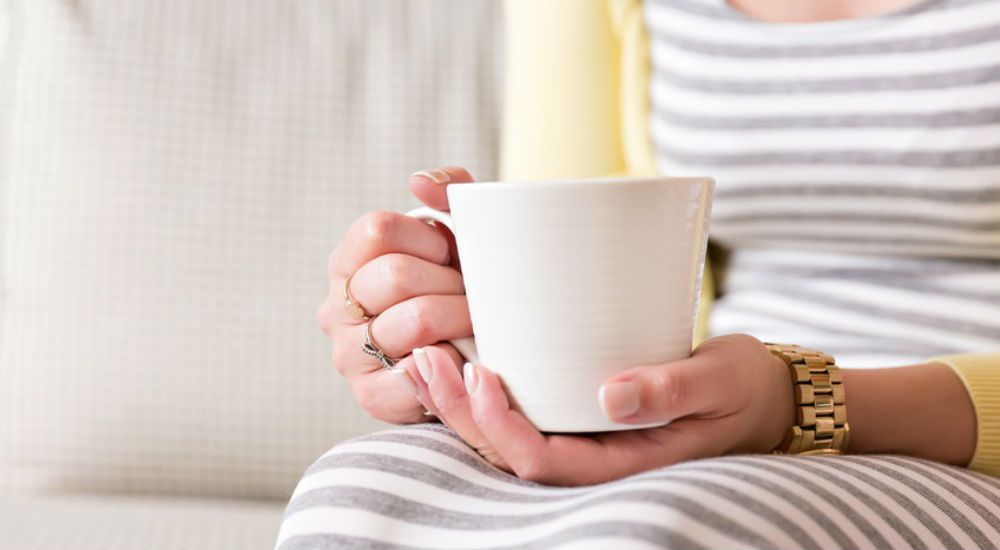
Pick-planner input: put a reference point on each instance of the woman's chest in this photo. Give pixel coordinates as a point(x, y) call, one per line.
point(878, 136)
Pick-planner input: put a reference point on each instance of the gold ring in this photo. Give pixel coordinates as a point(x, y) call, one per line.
point(352, 306)
point(371, 348)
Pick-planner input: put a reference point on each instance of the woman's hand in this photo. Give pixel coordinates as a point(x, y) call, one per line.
point(404, 273)
point(730, 396)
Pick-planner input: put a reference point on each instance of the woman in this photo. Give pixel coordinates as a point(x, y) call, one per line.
point(856, 146)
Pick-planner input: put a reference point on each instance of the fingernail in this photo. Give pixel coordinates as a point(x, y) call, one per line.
point(423, 365)
point(436, 175)
point(471, 377)
point(404, 379)
point(619, 399)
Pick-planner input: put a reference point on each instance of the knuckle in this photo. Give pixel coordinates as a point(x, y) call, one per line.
point(533, 469)
point(746, 340)
point(341, 359)
point(670, 389)
point(397, 273)
point(372, 398)
point(421, 319)
point(380, 226)
point(323, 317)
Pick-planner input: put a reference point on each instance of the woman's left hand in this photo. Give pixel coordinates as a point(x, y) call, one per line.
point(730, 396)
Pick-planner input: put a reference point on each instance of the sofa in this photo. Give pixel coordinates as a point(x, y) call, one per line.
point(173, 175)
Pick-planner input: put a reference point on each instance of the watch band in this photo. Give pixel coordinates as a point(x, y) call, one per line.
point(820, 411)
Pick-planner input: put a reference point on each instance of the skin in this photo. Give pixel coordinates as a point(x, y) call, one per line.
point(731, 396)
point(405, 272)
point(784, 11)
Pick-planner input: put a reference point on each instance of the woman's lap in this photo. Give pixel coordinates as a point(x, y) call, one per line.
point(421, 487)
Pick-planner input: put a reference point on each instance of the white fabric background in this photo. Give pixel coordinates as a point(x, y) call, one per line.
point(136, 523)
point(175, 173)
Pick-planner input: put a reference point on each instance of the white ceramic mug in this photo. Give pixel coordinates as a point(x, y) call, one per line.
point(571, 282)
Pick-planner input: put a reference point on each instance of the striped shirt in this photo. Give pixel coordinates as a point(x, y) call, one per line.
point(421, 487)
point(857, 166)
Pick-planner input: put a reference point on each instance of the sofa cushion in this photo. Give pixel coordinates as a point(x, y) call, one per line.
point(175, 173)
point(421, 487)
point(130, 523)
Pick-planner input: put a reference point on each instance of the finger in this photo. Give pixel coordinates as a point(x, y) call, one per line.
point(682, 440)
point(421, 321)
point(409, 366)
point(552, 459)
point(523, 447)
point(429, 186)
point(572, 460)
point(410, 324)
point(698, 385)
point(390, 396)
point(423, 391)
point(440, 372)
point(393, 278)
point(379, 233)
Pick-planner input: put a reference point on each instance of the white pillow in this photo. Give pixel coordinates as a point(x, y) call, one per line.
point(176, 173)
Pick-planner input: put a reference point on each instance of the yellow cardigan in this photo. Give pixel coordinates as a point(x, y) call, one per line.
point(577, 106)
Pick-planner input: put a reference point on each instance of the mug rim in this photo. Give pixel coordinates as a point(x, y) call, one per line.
point(605, 181)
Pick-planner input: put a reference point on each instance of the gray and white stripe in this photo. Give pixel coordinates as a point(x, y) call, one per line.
point(420, 487)
point(861, 145)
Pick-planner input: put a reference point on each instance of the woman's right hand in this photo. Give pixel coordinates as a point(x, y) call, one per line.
point(404, 272)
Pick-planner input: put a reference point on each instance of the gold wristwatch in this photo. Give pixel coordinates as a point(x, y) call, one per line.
point(820, 413)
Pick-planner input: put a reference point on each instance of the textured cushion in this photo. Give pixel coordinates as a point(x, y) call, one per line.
point(128, 523)
point(421, 487)
point(175, 173)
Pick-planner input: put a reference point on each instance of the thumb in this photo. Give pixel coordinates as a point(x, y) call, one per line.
point(429, 186)
point(661, 393)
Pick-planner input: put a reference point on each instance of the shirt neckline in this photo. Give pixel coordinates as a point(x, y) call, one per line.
point(831, 26)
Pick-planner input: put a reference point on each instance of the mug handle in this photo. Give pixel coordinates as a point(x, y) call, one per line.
point(465, 346)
